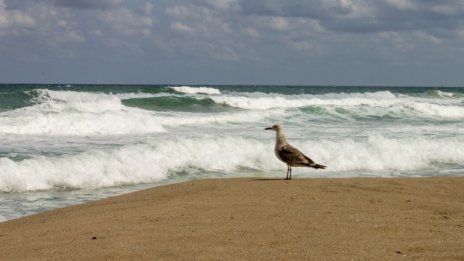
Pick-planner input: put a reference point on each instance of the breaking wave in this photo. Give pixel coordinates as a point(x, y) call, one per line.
point(176, 103)
point(356, 102)
point(133, 164)
point(152, 162)
point(83, 113)
point(196, 90)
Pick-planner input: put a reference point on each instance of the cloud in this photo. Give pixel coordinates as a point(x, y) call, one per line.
point(127, 22)
point(223, 4)
point(189, 11)
point(40, 21)
point(14, 19)
point(365, 16)
point(279, 23)
point(88, 4)
point(180, 27)
point(403, 4)
point(243, 36)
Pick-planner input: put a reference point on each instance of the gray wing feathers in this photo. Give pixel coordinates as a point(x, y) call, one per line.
point(293, 156)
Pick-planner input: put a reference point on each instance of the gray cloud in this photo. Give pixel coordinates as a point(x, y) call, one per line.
point(232, 41)
point(365, 16)
point(88, 4)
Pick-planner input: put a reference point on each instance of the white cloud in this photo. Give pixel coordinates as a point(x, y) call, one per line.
point(72, 36)
point(448, 9)
point(279, 23)
point(41, 21)
point(307, 47)
point(188, 11)
point(180, 27)
point(88, 4)
point(126, 22)
point(234, 31)
point(223, 4)
point(14, 19)
point(403, 4)
point(252, 32)
point(148, 8)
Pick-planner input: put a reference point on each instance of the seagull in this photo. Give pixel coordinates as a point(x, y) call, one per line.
point(289, 154)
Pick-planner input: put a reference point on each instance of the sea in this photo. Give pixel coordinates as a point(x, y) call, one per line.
point(65, 144)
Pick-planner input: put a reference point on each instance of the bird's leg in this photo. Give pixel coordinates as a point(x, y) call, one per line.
point(288, 170)
point(290, 177)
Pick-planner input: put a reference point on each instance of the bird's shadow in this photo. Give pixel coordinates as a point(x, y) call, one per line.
point(269, 179)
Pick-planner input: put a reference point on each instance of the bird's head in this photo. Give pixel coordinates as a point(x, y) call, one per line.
point(275, 127)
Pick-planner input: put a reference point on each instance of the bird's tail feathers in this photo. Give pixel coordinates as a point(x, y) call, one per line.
point(317, 166)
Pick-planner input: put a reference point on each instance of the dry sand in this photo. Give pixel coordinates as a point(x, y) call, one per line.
point(252, 219)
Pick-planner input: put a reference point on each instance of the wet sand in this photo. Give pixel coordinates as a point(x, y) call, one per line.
point(253, 219)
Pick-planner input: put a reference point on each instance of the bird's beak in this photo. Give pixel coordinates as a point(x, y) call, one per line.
point(268, 128)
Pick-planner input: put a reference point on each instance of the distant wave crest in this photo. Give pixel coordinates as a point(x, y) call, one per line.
point(196, 90)
point(383, 102)
point(89, 114)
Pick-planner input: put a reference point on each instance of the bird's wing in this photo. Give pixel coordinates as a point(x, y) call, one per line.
point(310, 161)
point(288, 153)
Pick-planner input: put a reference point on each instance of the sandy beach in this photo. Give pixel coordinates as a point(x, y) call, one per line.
point(253, 219)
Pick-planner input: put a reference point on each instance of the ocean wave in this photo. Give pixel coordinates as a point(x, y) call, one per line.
point(379, 153)
point(196, 90)
point(156, 161)
point(383, 103)
point(176, 103)
point(218, 118)
point(258, 101)
point(443, 94)
point(58, 101)
point(81, 124)
point(133, 164)
point(124, 122)
point(86, 114)
point(436, 110)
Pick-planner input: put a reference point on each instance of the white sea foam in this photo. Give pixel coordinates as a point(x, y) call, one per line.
point(127, 121)
point(444, 94)
point(196, 90)
point(58, 101)
point(379, 153)
point(159, 160)
point(77, 113)
point(357, 102)
point(84, 114)
point(81, 124)
point(225, 117)
point(133, 164)
point(261, 101)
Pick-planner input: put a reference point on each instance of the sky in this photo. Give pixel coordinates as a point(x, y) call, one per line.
point(282, 42)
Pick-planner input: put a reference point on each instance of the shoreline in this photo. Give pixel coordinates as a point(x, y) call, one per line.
point(253, 218)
